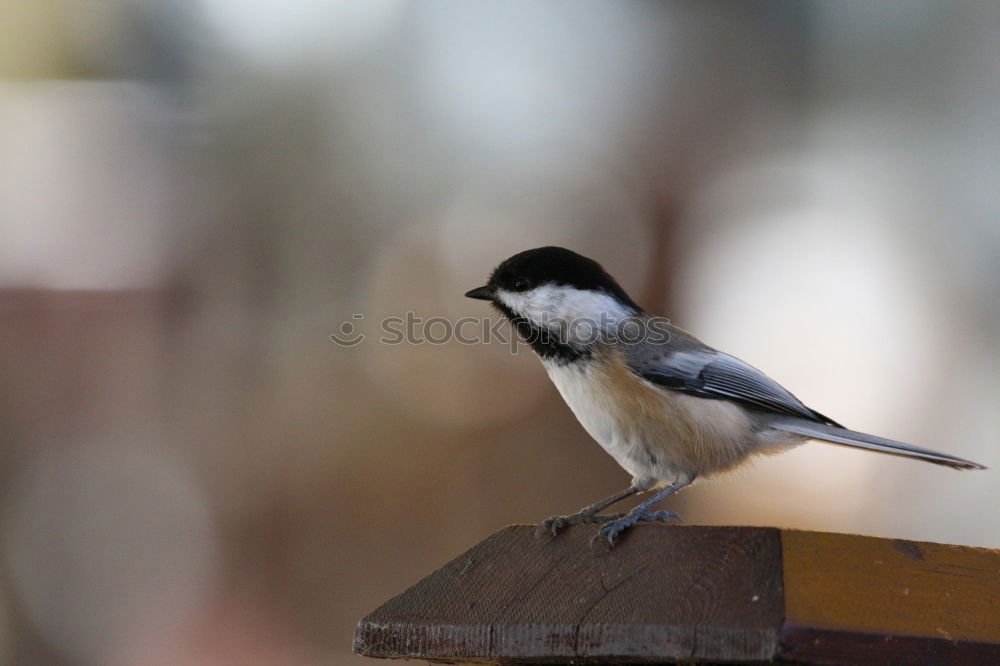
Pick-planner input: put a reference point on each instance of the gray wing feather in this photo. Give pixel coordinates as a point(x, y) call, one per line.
point(709, 373)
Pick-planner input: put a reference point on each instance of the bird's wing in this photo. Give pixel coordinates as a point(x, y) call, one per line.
point(708, 373)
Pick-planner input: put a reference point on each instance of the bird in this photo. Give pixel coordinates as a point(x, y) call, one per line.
point(667, 407)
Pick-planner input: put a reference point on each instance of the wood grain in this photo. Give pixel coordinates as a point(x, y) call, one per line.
point(691, 593)
point(697, 594)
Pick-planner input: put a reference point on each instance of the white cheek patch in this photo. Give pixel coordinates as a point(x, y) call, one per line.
point(579, 315)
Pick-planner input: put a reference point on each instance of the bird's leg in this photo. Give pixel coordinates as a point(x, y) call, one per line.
point(588, 514)
point(613, 528)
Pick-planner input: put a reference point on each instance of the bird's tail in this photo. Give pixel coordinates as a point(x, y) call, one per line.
point(836, 435)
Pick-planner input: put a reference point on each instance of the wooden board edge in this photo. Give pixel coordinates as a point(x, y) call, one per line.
point(583, 644)
point(810, 645)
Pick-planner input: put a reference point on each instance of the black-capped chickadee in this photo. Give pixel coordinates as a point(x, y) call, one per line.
point(667, 407)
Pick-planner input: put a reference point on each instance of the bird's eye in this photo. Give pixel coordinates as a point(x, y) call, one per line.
point(522, 284)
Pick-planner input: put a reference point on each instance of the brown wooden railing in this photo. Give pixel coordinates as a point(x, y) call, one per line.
point(697, 594)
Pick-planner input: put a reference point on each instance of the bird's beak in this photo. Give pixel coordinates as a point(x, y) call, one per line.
point(485, 293)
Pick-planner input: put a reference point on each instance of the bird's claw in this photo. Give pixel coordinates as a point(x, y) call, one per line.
point(555, 523)
point(551, 525)
point(612, 529)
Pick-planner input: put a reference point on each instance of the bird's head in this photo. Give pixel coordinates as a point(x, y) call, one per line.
point(555, 289)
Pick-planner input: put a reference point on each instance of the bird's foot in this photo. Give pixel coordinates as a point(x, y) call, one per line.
point(611, 530)
point(555, 523)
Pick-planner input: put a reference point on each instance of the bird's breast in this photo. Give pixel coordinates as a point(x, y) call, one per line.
point(580, 384)
point(653, 433)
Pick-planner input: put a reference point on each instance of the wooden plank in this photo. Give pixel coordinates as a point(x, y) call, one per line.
point(697, 594)
point(666, 593)
point(850, 598)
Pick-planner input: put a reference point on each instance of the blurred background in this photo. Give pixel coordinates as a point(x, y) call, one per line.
point(195, 194)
